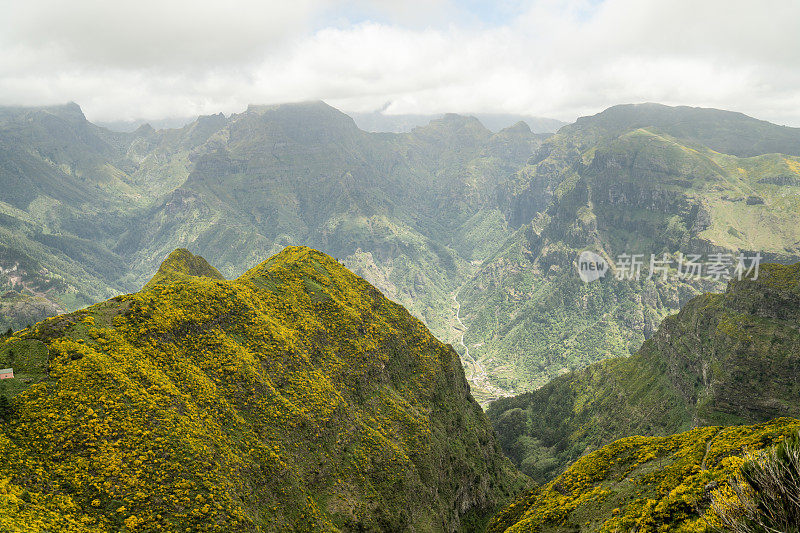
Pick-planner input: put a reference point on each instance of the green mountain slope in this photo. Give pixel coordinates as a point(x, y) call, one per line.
point(448, 216)
point(635, 180)
point(295, 397)
point(722, 131)
point(408, 211)
point(644, 483)
point(180, 265)
point(730, 358)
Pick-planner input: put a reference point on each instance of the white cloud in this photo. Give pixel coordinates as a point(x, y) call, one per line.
point(562, 59)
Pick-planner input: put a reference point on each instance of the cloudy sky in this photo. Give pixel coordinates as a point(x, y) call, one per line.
point(164, 58)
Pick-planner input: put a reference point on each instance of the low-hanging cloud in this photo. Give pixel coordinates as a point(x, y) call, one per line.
point(156, 59)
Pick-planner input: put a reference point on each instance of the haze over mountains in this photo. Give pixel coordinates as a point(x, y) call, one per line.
point(447, 216)
point(376, 121)
point(379, 121)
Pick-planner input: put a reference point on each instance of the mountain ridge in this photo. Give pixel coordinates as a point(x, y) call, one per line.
point(447, 208)
point(294, 397)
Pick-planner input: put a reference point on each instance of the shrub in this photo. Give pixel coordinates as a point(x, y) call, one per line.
point(6, 409)
point(765, 496)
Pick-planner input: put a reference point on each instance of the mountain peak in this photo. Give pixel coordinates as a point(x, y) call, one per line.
point(728, 132)
point(313, 121)
point(70, 111)
point(296, 260)
point(453, 127)
point(179, 264)
point(520, 127)
point(316, 109)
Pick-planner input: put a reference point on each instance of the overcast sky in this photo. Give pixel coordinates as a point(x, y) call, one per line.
point(151, 59)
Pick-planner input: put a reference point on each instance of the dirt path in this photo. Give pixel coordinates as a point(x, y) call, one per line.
point(477, 378)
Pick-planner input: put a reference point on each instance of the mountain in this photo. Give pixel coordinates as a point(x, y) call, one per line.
point(392, 207)
point(128, 126)
point(378, 121)
point(643, 179)
point(295, 397)
point(730, 358)
point(70, 190)
point(409, 211)
point(722, 131)
point(474, 231)
point(60, 195)
point(645, 483)
point(179, 265)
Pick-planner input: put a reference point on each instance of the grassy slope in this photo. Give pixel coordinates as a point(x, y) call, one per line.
point(296, 397)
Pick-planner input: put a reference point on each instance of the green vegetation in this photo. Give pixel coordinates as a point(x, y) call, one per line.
point(643, 179)
point(295, 397)
point(447, 209)
point(645, 484)
point(763, 496)
point(29, 360)
point(179, 265)
point(728, 358)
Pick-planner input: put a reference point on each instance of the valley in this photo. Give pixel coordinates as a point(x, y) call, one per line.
point(303, 380)
point(480, 385)
point(498, 217)
point(400, 267)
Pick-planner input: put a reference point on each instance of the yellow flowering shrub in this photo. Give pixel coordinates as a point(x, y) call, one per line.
point(296, 397)
point(645, 484)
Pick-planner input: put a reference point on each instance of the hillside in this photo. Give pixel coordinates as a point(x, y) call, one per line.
point(447, 217)
point(295, 397)
point(730, 358)
point(630, 180)
point(644, 483)
point(88, 213)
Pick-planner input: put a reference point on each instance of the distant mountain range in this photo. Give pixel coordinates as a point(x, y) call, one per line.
point(446, 218)
point(378, 121)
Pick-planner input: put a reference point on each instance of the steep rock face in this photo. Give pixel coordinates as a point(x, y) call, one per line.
point(295, 397)
point(728, 358)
